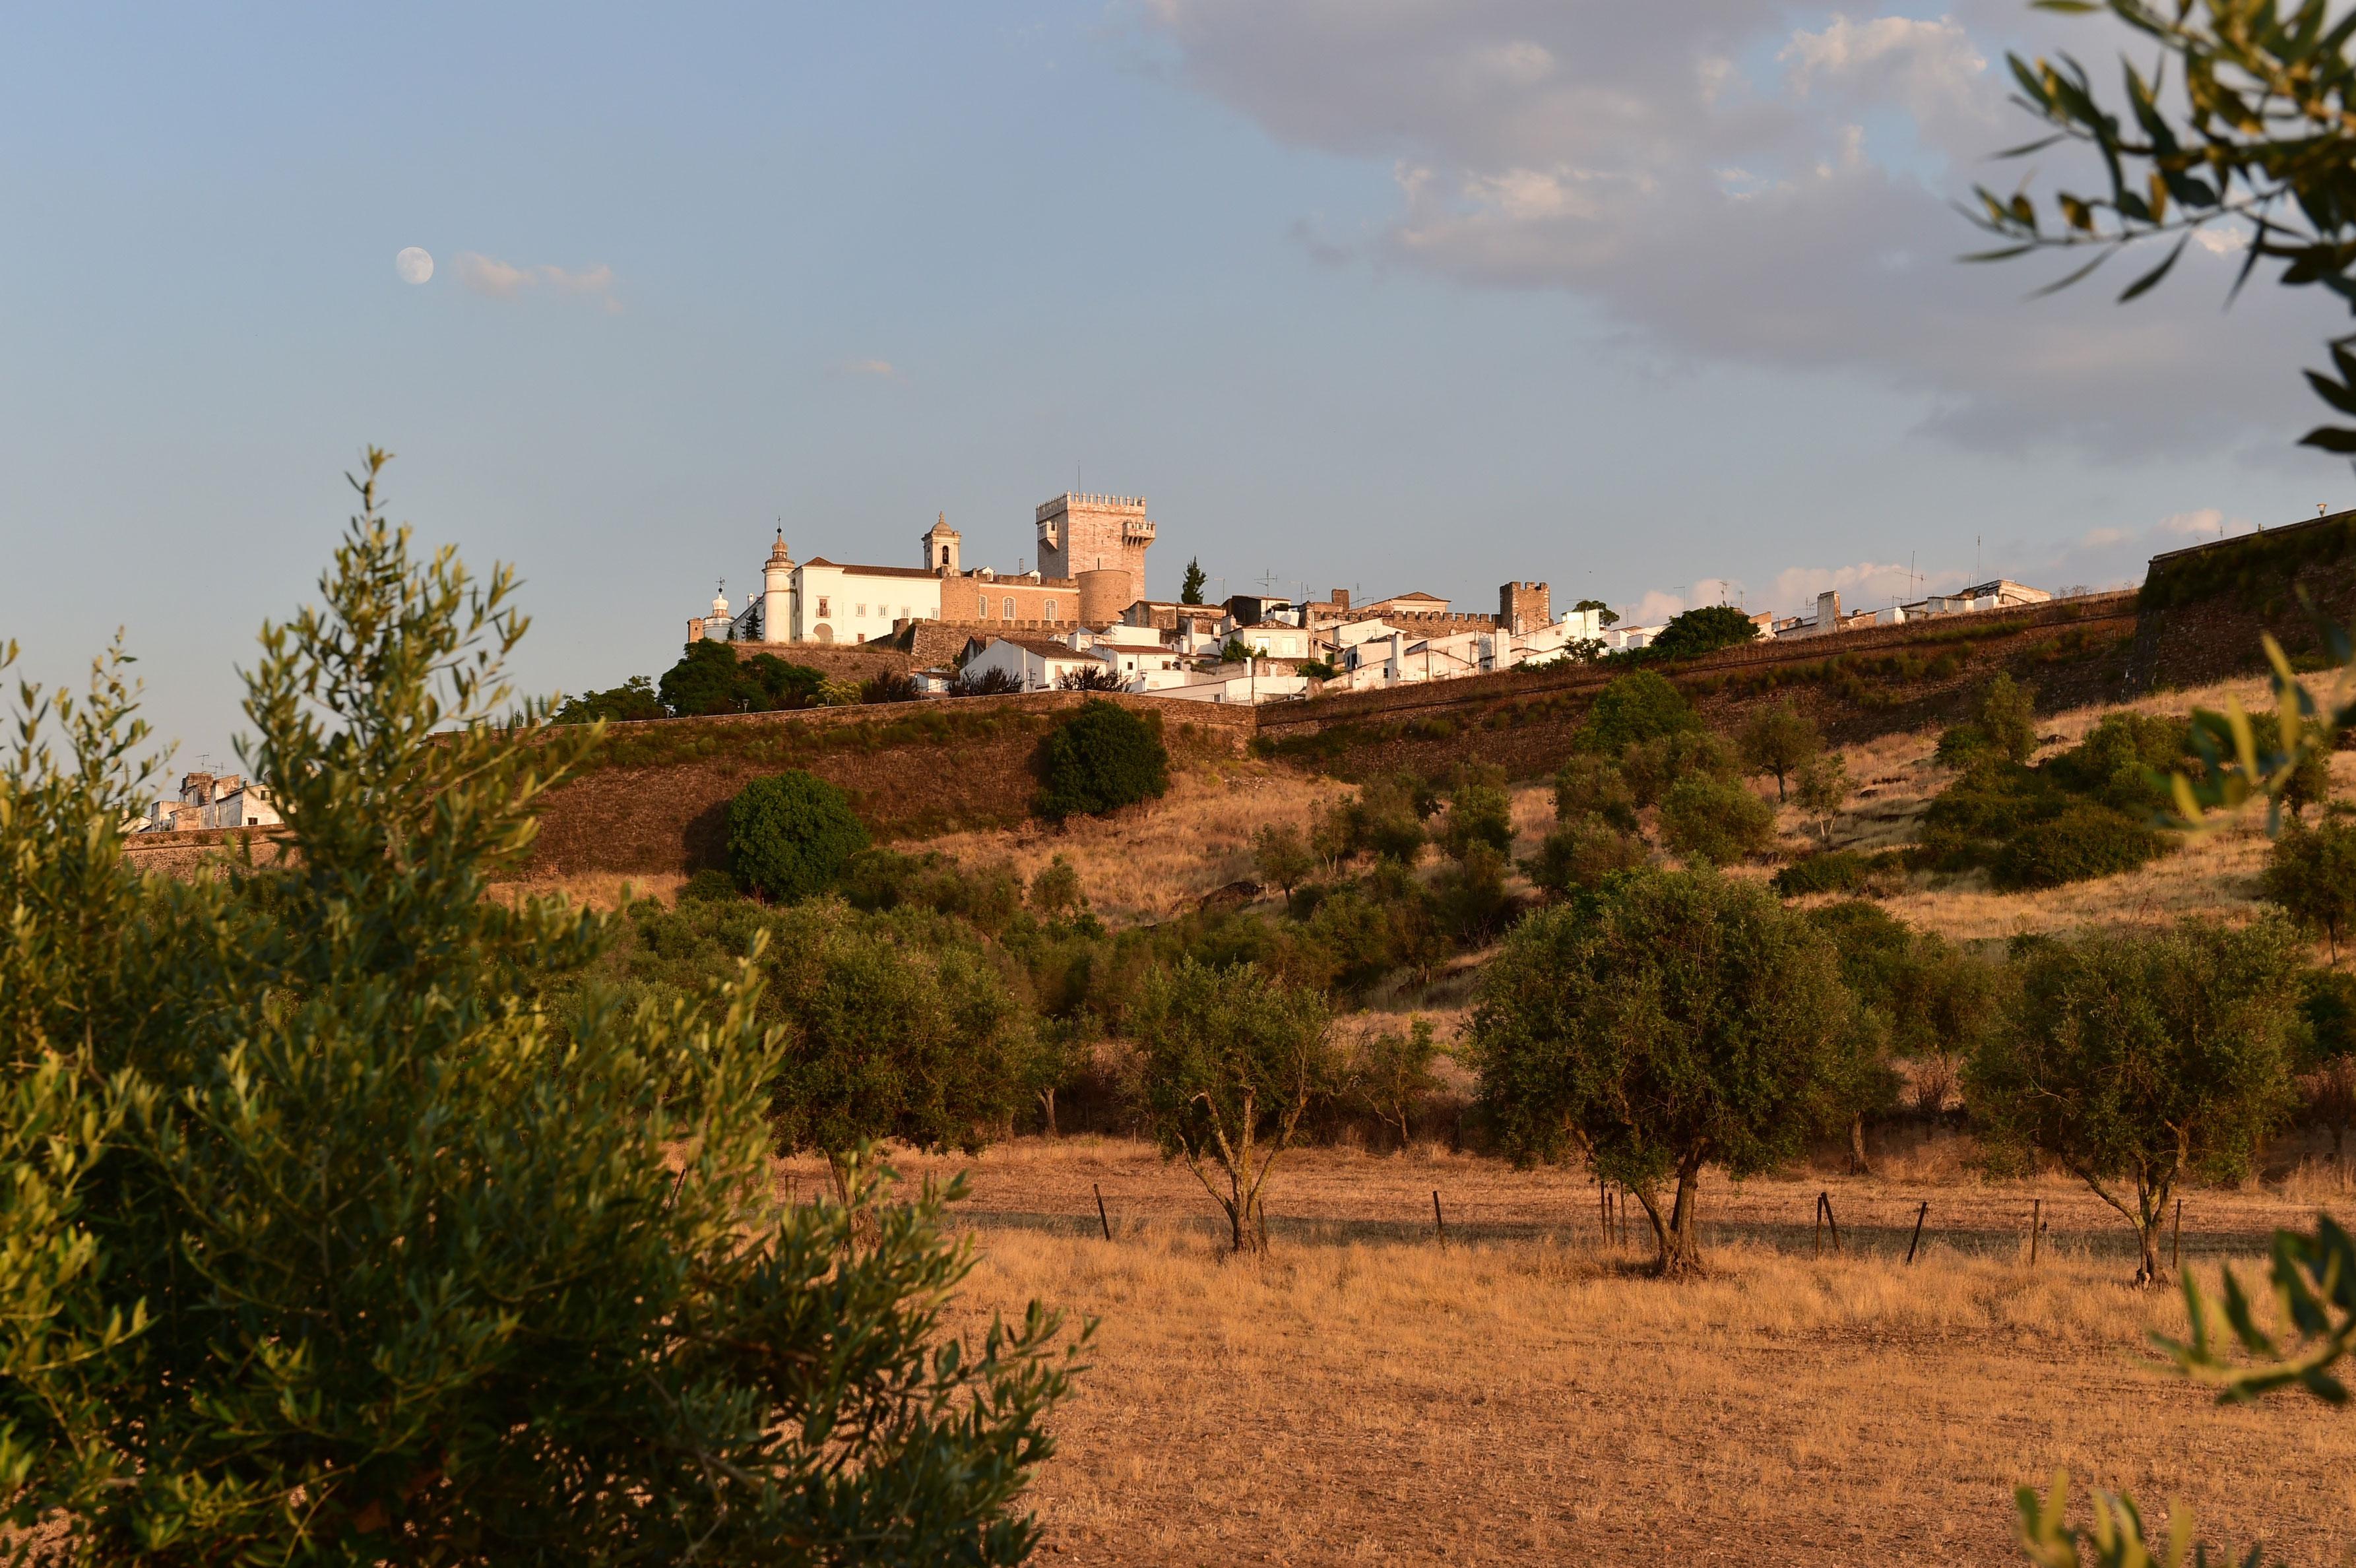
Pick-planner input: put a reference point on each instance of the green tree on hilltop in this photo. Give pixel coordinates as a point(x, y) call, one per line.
point(1189, 590)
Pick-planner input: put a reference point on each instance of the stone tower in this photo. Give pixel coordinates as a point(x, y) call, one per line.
point(1096, 533)
point(1524, 607)
point(941, 544)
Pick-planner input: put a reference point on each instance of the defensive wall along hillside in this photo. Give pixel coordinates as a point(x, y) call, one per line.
point(654, 797)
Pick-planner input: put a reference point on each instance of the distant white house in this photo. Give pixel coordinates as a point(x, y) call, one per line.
point(208, 800)
point(1039, 663)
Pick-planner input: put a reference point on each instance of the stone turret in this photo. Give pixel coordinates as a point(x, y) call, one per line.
point(942, 544)
point(1083, 533)
point(777, 592)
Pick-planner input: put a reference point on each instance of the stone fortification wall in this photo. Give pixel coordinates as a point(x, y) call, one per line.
point(837, 661)
point(2204, 608)
point(192, 853)
point(655, 797)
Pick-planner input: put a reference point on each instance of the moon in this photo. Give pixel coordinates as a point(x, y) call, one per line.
point(415, 265)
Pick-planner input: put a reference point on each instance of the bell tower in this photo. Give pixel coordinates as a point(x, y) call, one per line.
point(941, 543)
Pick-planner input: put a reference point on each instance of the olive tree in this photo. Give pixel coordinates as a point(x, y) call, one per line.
point(886, 1038)
point(1679, 1020)
point(1779, 740)
point(1230, 1058)
point(2311, 874)
point(2135, 1060)
point(326, 1243)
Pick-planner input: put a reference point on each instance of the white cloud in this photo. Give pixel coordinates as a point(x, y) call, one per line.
point(1793, 213)
point(490, 276)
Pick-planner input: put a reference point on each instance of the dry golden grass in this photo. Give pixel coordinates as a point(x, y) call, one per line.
point(2214, 878)
point(1372, 1398)
point(1150, 862)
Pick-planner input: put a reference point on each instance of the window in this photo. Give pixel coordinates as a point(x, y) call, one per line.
point(983, 612)
point(1009, 609)
point(824, 609)
point(903, 613)
point(1050, 609)
point(863, 611)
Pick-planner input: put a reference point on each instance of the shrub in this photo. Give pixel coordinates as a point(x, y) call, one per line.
point(1479, 812)
point(986, 683)
point(1281, 856)
point(1091, 678)
point(635, 699)
point(1653, 767)
point(1583, 852)
point(1386, 819)
point(1594, 786)
point(890, 686)
point(2007, 717)
point(328, 1247)
point(708, 885)
point(2137, 1060)
point(1681, 1018)
point(710, 678)
point(1823, 791)
point(1715, 821)
point(1701, 630)
point(1391, 1074)
point(1230, 1060)
point(1103, 758)
point(1468, 896)
point(2086, 841)
point(885, 1038)
point(790, 834)
point(1960, 745)
point(1055, 890)
point(1834, 871)
point(1634, 707)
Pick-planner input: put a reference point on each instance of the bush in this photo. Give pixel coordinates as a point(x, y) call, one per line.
point(1055, 890)
point(1653, 767)
point(1581, 853)
point(986, 683)
point(1842, 872)
point(329, 1244)
point(1634, 707)
point(635, 699)
point(708, 886)
point(1835, 871)
point(1960, 745)
point(1386, 819)
point(2007, 717)
point(1715, 821)
point(710, 678)
point(2086, 841)
point(1594, 786)
point(1103, 758)
point(1479, 812)
point(1282, 856)
point(1468, 896)
point(891, 686)
point(1704, 629)
point(1391, 1075)
point(790, 834)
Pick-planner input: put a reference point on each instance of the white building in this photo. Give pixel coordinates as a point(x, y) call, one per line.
point(1039, 663)
point(207, 800)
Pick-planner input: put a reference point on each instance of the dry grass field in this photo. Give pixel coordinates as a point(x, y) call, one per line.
point(1524, 1394)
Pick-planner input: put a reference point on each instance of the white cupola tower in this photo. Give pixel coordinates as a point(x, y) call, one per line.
point(778, 593)
point(941, 544)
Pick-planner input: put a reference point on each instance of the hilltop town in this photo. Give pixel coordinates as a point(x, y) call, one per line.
point(1080, 620)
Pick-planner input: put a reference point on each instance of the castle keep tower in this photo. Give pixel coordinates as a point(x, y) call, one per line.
point(1081, 534)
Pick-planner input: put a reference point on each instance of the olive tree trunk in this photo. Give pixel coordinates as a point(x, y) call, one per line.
point(1676, 1235)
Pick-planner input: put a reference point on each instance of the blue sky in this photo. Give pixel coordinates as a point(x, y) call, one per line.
point(1428, 294)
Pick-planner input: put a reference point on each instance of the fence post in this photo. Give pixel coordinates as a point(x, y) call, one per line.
point(1101, 1218)
point(2175, 1242)
point(1832, 1222)
point(1437, 1222)
point(2035, 1225)
point(1919, 1215)
point(1603, 1210)
point(1819, 1227)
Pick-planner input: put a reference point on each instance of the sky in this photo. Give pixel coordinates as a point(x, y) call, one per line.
point(1658, 303)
